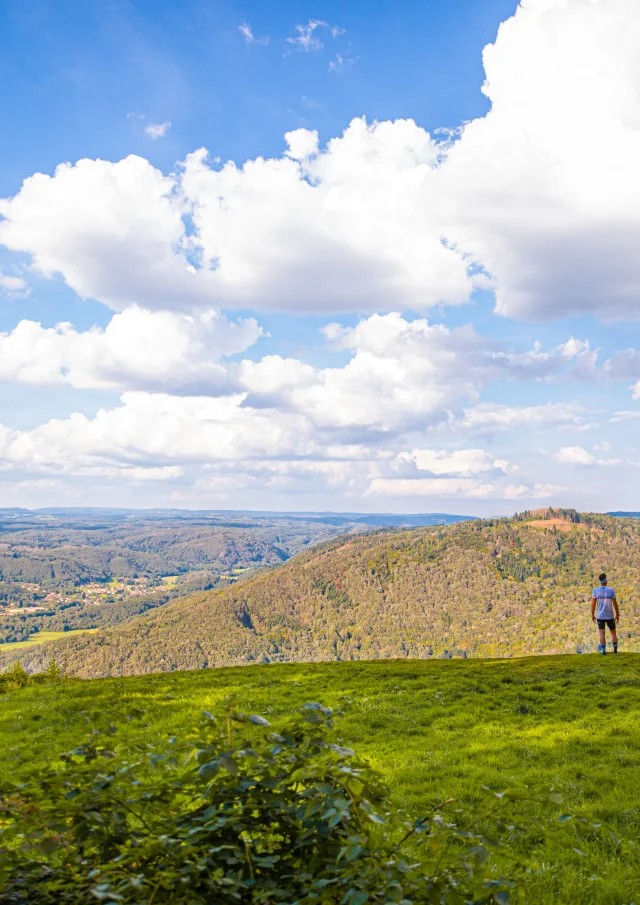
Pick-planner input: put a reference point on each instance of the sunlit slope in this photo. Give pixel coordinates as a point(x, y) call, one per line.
point(501, 588)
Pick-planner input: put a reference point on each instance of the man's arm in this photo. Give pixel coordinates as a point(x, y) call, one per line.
point(593, 609)
point(616, 610)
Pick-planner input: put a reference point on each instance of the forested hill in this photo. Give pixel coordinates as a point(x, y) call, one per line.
point(499, 588)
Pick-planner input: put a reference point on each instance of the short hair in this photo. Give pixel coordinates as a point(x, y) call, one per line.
point(602, 576)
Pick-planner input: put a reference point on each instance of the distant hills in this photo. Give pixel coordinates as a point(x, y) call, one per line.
point(482, 588)
point(78, 515)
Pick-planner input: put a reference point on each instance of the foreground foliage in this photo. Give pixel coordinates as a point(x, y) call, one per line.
point(434, 730)
point(233, 812)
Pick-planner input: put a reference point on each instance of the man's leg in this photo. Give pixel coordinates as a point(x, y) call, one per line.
point(602, 647)
point(614, 640)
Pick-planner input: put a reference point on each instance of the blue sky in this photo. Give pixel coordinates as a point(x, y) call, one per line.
point(433, 307)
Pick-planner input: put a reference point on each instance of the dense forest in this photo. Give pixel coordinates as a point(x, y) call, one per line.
point(493, 588)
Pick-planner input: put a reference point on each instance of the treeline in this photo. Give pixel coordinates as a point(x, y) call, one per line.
point(496, 588)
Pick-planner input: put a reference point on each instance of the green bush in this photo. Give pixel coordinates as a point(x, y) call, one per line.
point(232, 812)
point(16, 677)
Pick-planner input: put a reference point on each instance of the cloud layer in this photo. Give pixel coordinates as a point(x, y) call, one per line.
point(538, 201)
point(541, 197)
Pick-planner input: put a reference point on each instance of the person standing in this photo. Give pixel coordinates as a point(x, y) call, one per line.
point(604, 610)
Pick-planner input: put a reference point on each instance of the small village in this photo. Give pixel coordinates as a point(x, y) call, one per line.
point(94, 592)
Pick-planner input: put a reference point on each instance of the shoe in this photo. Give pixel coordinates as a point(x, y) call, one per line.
point(602, 649)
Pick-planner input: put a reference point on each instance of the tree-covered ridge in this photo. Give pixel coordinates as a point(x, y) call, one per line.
point(493, 588)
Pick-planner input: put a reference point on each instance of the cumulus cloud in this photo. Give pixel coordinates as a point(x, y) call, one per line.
point(401, 375)
point(157, 428)
point(217, 444)
point(544, 190)
point(344, 229)
point(138, 349)
point(625, 365)
point(404, 375)
point(539, 198)
point(463, 462)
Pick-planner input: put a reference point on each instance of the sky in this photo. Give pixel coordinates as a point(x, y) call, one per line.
point(319, 256)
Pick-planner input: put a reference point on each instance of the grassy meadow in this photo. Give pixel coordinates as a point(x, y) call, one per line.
point(42, 638)
point(435, 729)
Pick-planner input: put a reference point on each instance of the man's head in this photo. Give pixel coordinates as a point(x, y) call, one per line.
point(602, 578)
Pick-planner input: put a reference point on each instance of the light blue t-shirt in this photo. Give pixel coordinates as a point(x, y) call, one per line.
point(604, 606)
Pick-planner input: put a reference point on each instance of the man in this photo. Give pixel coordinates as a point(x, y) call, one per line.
point(607, 613)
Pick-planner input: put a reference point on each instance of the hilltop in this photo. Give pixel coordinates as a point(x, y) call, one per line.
point(494, 588)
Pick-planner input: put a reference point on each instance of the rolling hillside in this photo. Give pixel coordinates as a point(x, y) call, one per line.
point(500, 588)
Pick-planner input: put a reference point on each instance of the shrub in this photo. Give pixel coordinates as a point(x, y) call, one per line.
point(15, 676)
point(233, 812)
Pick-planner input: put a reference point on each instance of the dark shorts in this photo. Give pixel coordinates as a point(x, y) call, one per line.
point(610, 622)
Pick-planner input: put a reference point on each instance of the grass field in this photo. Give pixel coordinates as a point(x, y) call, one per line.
point(436, 730)
point(41, 637)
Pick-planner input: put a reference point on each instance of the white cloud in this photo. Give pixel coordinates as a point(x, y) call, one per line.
point(219, 446)
point(303, 143)
point(344, 229)
point(542, 193)
point(137, 349)
point(462, 462)
point(403, 375)
point(340, 63)
point(491, 416)
point(13, 286)
point(305, 38)
point(156, 429)
point(577, 455)
point(618, 417)
point(247, 33)
point(544, 189)
point(157, 130)
point(400, 376)
point(625, 365)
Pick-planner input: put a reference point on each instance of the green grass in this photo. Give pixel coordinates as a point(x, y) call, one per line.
point(41, 637)
point(436, 729)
